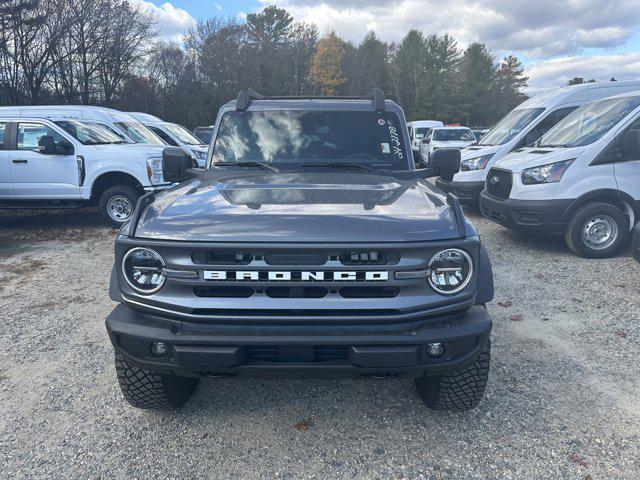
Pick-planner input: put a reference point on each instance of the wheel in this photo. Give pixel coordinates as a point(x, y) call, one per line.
point(596, 230)
point(459, 390)
point(145, 389)
point(117, 204)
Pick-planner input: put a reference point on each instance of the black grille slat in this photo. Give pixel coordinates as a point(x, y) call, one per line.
point(499, 183)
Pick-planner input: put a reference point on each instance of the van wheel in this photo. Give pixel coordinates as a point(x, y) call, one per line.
point(596, 230)
point(117, 204)
point(459, 390)
point(142, 388)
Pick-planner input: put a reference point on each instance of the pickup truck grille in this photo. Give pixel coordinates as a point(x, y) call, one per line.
point(499, 183)
point(310, 258)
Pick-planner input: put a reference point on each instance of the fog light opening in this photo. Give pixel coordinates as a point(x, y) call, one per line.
point(159, 349)
point(435, 349)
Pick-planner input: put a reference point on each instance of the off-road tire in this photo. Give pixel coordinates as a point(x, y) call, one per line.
point(126, 191)
point(145, 389)
point(573, 231)
point(459, 390)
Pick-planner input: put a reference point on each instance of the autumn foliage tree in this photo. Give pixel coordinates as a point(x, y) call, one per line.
point(325, 70)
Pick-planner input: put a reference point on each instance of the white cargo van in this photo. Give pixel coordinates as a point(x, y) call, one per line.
point(521, 127)
point(581, 179)
point(444, 137)
point(174, 135)
point(417, 130)
point(57, 161)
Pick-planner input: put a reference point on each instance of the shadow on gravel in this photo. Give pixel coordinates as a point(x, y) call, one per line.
point(19, 226)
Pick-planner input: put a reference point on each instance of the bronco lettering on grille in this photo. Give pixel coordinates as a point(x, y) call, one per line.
point(294, 276)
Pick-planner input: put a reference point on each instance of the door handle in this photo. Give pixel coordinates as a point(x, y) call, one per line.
point(21, 160)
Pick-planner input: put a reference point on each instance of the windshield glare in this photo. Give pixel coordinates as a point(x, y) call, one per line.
point(137, 132)
point(510, 126)
point(182, 134)
point(89, 133)
point(453, 135)
point(589, 122)
point(289, 138)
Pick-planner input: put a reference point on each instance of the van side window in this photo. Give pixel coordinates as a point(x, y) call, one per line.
point(30, 133)
point(632, 154)
point(161, 133)
point(544, 126)
point(2, 126)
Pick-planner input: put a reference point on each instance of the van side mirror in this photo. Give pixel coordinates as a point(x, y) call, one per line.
point(631, 145)
point(48, 146)
point(175, 164)
point(446, 161)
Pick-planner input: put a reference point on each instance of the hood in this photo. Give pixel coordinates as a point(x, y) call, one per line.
point(473, 151)
point(534, 157)
point(451, 144)
point(132, 149)
point(299, 207)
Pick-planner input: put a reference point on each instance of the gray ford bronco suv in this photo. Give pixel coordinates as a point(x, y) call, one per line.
point(309, 246)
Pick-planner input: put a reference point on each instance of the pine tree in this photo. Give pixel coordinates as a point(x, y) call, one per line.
point(410, 64)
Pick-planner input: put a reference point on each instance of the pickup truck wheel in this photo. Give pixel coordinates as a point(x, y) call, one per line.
point(145, 389)
point(459, 390)
point(597, 230)
point(117, 204)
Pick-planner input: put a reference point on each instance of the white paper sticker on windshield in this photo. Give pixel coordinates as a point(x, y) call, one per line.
point(385, 148)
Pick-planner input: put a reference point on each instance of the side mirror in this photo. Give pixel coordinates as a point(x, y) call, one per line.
point(446, 161)
point(631, 145)
point(48, 146)
point(175, 164)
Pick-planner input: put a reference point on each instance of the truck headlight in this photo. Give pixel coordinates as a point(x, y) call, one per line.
point(475, 163)
point(143, 269)
point(449, 271)
point(549, 173)
point(154, 171)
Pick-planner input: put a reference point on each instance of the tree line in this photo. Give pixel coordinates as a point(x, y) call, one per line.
point(107, 52)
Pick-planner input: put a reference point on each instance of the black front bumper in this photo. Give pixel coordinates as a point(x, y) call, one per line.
point(528, 216)
point(307, 351)
point(467, 192)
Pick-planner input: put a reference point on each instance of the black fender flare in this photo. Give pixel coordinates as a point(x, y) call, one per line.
point(485, 290)
point(607, 195)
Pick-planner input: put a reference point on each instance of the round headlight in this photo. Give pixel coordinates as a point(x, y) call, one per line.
point(450, 271)
point(143, 270)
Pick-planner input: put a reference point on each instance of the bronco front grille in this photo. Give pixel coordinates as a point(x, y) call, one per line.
point(499, 183)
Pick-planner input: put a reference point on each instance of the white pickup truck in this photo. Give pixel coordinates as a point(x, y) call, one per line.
point(61, 162)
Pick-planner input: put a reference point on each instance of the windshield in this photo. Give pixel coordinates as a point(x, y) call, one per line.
point(510, 126)
point(89, 133)
point(182, 134)
point(139, 133)
point(589, 122)
point(421, 132)
point(453, 135)
point(204, 134)
point(289, 138)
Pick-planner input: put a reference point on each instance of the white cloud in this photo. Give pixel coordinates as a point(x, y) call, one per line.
point(536, 29)
point(171, 22)
point(558, 71)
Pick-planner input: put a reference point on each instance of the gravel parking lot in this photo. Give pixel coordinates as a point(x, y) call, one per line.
point(562, 401)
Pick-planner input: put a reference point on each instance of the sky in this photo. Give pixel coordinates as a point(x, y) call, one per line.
point(555, 39)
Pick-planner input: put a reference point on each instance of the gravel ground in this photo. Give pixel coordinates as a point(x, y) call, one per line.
point(562, 400)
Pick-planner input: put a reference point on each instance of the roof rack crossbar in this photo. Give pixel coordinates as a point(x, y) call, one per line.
point(245, 97)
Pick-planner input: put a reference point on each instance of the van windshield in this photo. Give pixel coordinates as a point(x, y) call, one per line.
point(290, 138)
point(453, 135)
point(510, 126)
point(89, 133)
point(139, 133)
point(589, 122)
point(421, 132)
point(182, 134)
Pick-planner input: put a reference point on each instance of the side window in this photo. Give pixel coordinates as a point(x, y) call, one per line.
point(30, 133)
point(543, 127)
point(163, 135)
point(630, 148)
point(2, 127)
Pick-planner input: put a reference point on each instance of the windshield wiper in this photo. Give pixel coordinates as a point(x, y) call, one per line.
point(261, 165)
point(340, 165)
point(552, 145)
